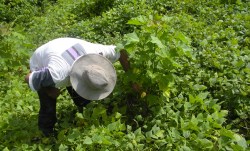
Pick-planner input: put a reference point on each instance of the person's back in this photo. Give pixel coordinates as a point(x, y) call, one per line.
point(50, 56)
point(51, 66)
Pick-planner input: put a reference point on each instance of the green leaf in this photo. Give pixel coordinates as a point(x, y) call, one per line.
point(158, 133)
point(116, 126)
point(134, 22)
point(118, 115)
point(74, 135)
point(240, 140)
point(140, 20)
point(203, 95)
point(97, 138)
point(185, 148)
point(199, 87)
point(205, 143)
point(227, 133)
point(204, 42)
point(157, 41)
point(165, 81)
point(112, 126)
point(87, 140)
point(194, 121)
point(182, 37)
point(186, 134)
point(131, 38)
point(98, 111)
point(174, 133)
point(6, 149)
point(63, 147)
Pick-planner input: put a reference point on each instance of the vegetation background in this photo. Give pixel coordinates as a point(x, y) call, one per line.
point(190, 57)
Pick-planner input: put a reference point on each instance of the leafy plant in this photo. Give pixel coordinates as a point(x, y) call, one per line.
point(191, 59)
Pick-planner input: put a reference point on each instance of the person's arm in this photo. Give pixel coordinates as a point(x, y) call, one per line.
point(39, 78)
point(42, 78)
point(124, 60)
point(126, 66)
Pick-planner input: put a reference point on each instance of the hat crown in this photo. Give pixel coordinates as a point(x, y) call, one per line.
point(95, 77)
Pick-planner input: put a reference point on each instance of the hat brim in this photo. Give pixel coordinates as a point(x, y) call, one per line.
point(80, 85)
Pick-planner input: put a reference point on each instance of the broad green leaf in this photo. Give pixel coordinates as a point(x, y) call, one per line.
point(118, 115)
point(157, 41)
point(151, 74)
point(6, 149)
point(141, 20)
point(194, 121)
point(240, 140)
point(138, 131)
point(113, 126)
point(205, 143)
point(186, 134)
point(203, 95)
point(236, 147)
point(149, 134)
point(131, 38)
point(116, 126)
point(199, 87)
point(165, 81)
point(166, 93)
point(87, 140)
point(192, 100)
point(185, 148)
point(63, 147)
point(130, 146)
point(227, 133)
point(97, 138)
point(182, 37)
point(204, 42)
point(158, 133)
point(173, 132)
point(98, 111)
point(74, 135)
point(134, 22)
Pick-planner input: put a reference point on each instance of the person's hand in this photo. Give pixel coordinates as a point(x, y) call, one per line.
point(136, 87)
point(27, 78)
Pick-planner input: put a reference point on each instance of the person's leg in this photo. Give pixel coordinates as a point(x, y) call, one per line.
point(47, 114)
point(78, 100)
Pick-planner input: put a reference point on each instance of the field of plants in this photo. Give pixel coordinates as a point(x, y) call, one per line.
point(191, 59)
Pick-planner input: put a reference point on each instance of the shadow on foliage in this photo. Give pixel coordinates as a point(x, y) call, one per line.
point(19, 129)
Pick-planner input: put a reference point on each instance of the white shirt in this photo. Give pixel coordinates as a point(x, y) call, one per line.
point(48, 57)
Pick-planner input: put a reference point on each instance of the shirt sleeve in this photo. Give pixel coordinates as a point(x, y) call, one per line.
point(40, 78)
point(34, 63)
point(111, 54)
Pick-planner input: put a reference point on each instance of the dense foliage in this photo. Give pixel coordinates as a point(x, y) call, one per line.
point(191, 58)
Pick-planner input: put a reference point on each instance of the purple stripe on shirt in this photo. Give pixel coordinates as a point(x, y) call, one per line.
point(73, 53)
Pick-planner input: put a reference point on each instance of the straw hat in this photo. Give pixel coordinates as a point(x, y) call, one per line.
point(93, 76)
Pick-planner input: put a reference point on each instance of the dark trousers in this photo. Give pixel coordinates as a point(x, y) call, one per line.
point(47, 113)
